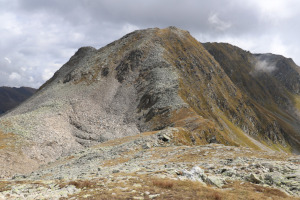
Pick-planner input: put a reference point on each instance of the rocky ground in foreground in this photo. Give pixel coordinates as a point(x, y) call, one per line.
point(154, 166)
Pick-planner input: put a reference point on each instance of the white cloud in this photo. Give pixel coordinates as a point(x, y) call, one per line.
point(127, 28)
point(47, 74)
point(276, 9)
point(264, 66)
point(14, 76)
point(31, 79)
point(8, 60)
point(10, 23)
point(278, 47)
point(217, 23)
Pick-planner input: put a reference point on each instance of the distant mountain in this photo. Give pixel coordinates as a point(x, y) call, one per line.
point(151, 80)
point(10, 97)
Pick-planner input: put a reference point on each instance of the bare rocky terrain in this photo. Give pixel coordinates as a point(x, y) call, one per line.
point(157, 115)
point(154, 165)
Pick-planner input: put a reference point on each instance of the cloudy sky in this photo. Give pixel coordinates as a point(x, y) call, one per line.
point(38, 36)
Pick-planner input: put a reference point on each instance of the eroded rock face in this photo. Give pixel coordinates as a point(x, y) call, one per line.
point(148, 80)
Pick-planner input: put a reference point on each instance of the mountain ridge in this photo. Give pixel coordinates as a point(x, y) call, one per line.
point(149, 80)
point(13, 96)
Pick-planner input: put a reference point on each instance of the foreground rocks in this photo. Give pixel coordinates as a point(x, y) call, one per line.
point(125, 167)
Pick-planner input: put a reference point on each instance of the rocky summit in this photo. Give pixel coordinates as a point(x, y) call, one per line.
point(157, 115)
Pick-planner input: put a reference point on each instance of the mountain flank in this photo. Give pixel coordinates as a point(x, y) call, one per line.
point(10, 97)
point(270, 83)
point(155, 91)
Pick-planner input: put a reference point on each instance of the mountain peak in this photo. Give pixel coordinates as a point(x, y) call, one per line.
point(153, 80)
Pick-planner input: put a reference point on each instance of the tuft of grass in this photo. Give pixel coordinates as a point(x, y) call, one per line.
point(8, 141)
point(4, 186)
point(163, 183)
point(79, 184)
point(214, 196)
point(241, 138)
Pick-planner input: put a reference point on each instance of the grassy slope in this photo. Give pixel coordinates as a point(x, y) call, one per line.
point(270, 97)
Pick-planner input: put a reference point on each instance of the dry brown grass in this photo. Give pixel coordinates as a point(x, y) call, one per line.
point(7, 140)
point(177, 190)
point(4, 185)
point(163, 183)
point(213, 196)
point(254, 192)
point(191, 156)
point(82, 184)
point(79, 184)
point(125, 157)
point(115, 162)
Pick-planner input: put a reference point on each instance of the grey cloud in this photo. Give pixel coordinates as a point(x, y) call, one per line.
point(263, 66)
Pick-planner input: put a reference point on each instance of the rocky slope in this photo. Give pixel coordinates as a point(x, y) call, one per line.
point(153, 166)
point(154, 80)
point(10, 97)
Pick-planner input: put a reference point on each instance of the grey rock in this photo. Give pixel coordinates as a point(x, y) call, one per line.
point(196, 173)
point(274, 178)
point(138, 198)
point(291, 183)
point(253, 178)
point(19, 176)
point(115, 171)
point(291, 176)
point(295, 160)
point(228, 172)
point(153, 196)
point(164, 138)
point(214, 180)
point(146, 145)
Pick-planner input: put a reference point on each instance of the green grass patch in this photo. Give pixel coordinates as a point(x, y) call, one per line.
point(239, 135)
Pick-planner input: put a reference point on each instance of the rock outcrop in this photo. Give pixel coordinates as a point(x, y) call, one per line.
point(154, 80)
